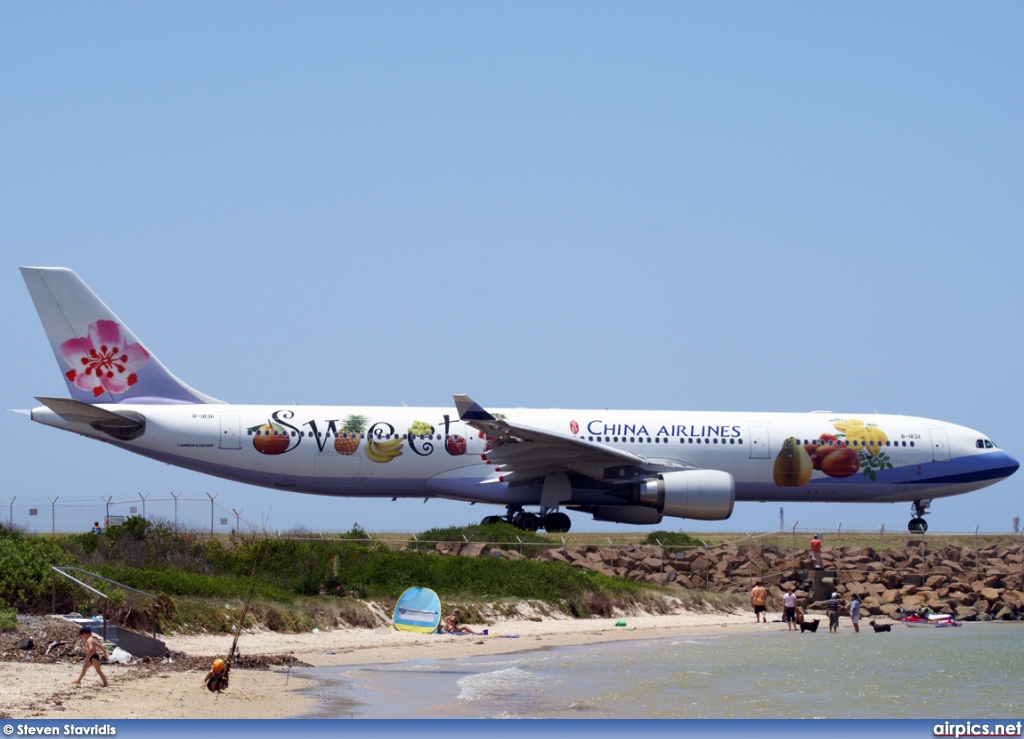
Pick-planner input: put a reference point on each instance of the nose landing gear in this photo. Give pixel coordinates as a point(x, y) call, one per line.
point(917, 524)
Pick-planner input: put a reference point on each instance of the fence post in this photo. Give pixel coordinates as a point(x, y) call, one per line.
point(211, 497)
point(794, 536)
point(1020, 550)
point(839, 551)
point(53, 514)
point(707, 563)
point(238, 515)
point(175, 508)
point(10, 503)
point(881, 537)
point(144, 503)
point(750, 557)
point(976, 555)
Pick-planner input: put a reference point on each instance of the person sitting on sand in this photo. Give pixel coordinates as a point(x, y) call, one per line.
point(216, 679)
point(452, 626)
point(95, 653)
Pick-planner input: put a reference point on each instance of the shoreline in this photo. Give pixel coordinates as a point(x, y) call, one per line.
point(45, 691)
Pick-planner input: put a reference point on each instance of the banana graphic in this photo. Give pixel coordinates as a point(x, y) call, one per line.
point(873, 438)
point(383, 451)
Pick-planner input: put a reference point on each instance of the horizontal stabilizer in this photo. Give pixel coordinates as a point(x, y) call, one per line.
point(125, 425)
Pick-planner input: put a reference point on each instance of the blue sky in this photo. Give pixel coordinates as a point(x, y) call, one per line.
point(719, 206)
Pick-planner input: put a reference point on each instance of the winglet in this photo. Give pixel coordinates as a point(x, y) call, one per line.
point(470, 410)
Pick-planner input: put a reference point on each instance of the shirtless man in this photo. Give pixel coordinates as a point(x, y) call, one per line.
point(93, 649)
point(759, 600)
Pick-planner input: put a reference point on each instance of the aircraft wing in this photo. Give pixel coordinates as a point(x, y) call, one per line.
point(524, 453)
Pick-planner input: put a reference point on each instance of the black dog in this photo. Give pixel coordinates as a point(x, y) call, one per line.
point(811, 626)
point(877, 628)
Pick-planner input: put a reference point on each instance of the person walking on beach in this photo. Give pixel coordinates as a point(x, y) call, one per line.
point(789, 609)
point(93, 649)
point(855, 612)
point(759, 600)
point(816, 552)
point(832, 608)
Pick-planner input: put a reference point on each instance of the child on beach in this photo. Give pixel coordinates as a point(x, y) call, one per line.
point(93, 650)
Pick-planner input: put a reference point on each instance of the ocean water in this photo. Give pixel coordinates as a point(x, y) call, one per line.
point(975, 670)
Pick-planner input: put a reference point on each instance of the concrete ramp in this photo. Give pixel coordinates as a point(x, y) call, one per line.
point(139, 645)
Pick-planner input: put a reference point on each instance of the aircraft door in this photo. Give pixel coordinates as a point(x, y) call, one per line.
point(230, 431)
point(759, 442)
point(940, 445)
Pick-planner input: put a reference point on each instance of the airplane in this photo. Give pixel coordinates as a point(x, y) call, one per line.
point(621, 466)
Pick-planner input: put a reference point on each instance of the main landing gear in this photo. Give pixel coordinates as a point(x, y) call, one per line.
point(552, 521)
point(917, 524)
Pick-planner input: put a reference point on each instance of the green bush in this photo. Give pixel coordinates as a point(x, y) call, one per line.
point(26, 574)
point(8, 617)
point(671, 539)
point(500, 533)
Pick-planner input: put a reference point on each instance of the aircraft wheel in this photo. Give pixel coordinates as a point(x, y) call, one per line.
point(557, 523)
point(490, 520)
point(917, 526)
point(527, 522)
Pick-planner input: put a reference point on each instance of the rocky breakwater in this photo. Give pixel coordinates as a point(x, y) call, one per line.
point(969, 584)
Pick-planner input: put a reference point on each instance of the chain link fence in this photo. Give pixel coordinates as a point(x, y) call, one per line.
point(75, 515)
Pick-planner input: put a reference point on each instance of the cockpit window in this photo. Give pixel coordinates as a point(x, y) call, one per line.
point(984, 444)
point(988, 444)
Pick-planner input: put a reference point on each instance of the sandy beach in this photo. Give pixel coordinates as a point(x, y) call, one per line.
point(152, 691)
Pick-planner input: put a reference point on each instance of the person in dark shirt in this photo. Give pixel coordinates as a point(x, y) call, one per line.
point(832, 608)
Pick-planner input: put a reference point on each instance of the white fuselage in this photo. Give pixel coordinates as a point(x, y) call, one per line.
point(294, 448)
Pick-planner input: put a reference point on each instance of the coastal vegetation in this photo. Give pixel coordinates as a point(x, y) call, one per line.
point(301, 580)
point(298, 582)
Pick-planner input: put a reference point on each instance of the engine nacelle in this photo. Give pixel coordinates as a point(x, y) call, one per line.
point(706, 495)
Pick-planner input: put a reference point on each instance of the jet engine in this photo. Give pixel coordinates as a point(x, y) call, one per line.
point(706, 495)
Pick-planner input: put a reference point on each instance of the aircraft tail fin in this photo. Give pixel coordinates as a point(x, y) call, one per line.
point(102, 360)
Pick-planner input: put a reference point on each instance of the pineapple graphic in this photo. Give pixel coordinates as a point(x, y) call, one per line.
point(348, 440)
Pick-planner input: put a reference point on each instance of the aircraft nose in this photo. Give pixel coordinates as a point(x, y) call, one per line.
point(1012, 465)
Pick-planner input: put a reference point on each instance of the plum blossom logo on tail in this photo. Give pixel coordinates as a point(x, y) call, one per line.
point(103, 361)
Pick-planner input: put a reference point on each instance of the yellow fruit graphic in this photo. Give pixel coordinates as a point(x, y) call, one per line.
point(871, 438)
point(348, 440)
point(793, 466)
point(383, 451)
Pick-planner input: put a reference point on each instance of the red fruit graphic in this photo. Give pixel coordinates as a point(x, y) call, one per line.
point(269, 440)
point(840, 462)
point(455, 445)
